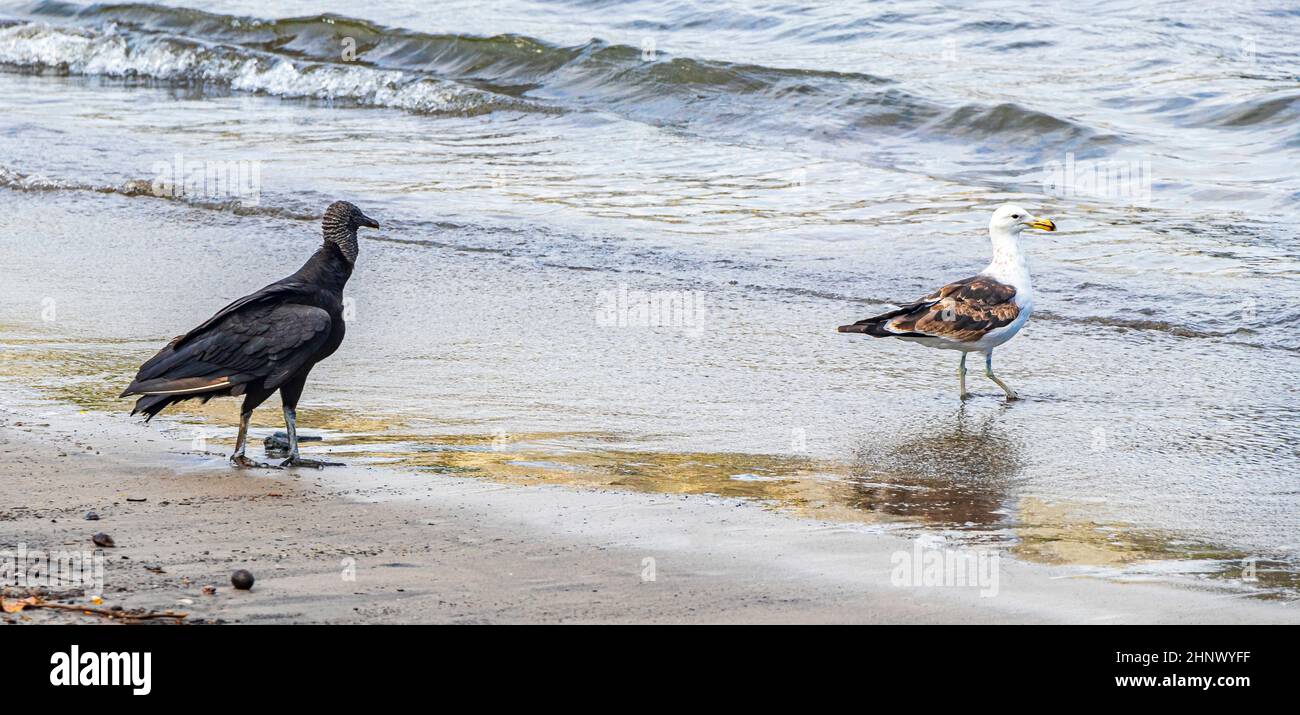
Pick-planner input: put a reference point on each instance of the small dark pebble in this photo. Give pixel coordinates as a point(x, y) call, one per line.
point(281, 439)
point(277, 445)
point(242, 580)
point(104, 540)
point(92, 516)
point(209, 590)
point(137, 499)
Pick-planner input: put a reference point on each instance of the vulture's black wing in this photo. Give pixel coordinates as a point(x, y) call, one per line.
point(259, 339)
point(282, 292)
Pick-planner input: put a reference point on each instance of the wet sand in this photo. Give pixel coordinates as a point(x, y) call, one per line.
point(474, 381)
point(443, 549)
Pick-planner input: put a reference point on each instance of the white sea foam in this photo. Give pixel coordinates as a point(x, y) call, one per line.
point(114, 53)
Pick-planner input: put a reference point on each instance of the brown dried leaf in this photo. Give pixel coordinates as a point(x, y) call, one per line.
point(18, 606)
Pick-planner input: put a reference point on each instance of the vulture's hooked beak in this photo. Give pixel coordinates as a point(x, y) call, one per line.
point(364, 220)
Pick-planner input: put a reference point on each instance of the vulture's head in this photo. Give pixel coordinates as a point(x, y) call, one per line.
point(341, 222)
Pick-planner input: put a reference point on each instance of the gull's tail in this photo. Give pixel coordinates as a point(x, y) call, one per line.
point(878, 326)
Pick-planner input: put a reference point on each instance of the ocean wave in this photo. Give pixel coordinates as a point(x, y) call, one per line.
point(505, 61)
point(21, 181)
point(466, 74)
point(1011, 122)
point(112, 52)
point(1273, 110)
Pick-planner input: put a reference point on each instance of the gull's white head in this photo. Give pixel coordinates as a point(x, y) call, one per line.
point(1011, 219)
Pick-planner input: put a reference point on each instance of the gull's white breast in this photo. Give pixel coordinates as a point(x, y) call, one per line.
point(1017, 278)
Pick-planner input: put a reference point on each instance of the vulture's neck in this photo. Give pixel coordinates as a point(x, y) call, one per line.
point(327, 268)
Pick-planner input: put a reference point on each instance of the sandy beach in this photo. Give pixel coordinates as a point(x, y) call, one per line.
point(592, 370)
point(437, 549)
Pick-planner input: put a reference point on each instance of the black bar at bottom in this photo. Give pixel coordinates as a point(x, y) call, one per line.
point(229, 660)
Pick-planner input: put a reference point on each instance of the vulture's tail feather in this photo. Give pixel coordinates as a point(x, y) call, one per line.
point(151, 405)
point(174, 376)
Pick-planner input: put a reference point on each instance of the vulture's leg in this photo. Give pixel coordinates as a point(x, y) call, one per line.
point(238, 459)
point(251, 401)
point(295, 460)
point(289, 394)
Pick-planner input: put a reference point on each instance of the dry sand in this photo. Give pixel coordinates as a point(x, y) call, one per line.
point(430, 548)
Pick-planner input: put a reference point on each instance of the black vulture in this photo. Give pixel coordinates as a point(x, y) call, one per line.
point(263, 342)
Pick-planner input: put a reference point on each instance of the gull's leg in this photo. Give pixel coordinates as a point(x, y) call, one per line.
point(291, 426)
point(238, 459)
point(961, 378)
point(988, 370)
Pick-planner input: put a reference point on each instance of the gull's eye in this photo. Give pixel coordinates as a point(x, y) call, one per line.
point(1015, 215)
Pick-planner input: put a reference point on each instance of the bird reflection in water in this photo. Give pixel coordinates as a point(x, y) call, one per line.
point(953, 473)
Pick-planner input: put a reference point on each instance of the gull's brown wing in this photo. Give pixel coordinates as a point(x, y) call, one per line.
point(963, 311)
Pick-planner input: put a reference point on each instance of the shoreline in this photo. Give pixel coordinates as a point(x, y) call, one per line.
point(1119, 476)
point(422, 547)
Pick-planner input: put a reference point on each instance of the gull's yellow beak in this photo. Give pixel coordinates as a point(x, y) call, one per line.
point(1044, 224)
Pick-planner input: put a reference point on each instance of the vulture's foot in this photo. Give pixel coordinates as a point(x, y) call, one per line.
point(244, 462)
point(312, 463)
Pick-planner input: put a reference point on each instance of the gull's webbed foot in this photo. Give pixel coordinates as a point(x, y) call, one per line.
point(1011, 394)
point(311, 463)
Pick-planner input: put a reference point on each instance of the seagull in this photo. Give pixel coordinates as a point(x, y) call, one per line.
point(974, 314)
point(264, 342)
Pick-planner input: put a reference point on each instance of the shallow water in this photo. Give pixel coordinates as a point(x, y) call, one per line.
point(768, 172)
